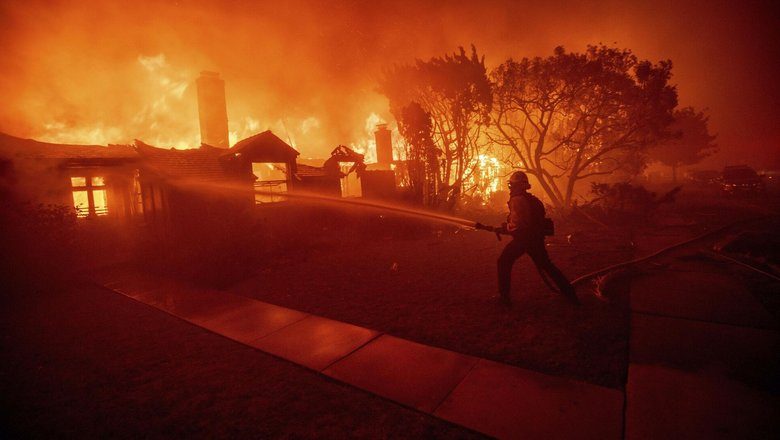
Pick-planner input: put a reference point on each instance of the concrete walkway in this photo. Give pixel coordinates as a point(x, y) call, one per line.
point(703, 356)
point(703, 362)
point(496, 399)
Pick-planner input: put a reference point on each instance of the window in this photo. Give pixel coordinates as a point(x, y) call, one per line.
point(271, 180)
point(89, 196)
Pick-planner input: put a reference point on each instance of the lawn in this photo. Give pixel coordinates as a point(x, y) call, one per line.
point(82, 361)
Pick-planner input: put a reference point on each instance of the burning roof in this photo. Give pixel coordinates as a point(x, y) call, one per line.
point(14, 148)
point(265, 147)
point(310, 171)
point(204, 163)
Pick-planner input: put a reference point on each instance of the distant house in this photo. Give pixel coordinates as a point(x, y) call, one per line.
point(95, 180)
point(140, 181)
point(167, 188)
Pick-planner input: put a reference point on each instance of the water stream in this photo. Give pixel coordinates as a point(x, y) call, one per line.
point(337, 201)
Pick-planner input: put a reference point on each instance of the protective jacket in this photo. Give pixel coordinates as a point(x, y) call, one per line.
point(526, 214)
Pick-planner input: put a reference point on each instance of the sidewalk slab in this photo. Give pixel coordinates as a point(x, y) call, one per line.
point(413, 374)
point(741, 353)
point(315, 342)
point(252, 322)
point(510, 402)
point(131, 285)
point(708, 297)
point(195, 306)
point(666, 403)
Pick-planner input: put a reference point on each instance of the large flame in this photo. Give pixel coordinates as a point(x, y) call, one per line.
point(167, 116)
point(101, 71)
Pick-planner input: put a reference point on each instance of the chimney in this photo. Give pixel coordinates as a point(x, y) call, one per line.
point(384, 145)
point(212, 110)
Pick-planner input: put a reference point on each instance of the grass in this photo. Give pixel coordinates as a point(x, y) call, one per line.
point(81, 361)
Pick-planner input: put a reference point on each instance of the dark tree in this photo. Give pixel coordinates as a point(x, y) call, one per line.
point(455, 92)
point(689, 143)
point(572, 116)
point(422, 156)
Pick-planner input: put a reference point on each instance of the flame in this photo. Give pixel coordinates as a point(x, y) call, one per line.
point(168, 118)
point(245, 127)
point(366, 144)
point(309, 124)
point(487, 176)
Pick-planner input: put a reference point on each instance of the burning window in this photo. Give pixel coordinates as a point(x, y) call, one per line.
point(271, 180)
point(89, 196)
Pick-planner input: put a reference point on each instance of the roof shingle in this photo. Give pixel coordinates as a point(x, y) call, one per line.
point(202, 163)
point(12, 147)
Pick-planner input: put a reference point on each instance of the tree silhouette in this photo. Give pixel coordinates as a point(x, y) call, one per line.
point(689, 143)
point(422, 156)
point(455, 92)
point(572, 116)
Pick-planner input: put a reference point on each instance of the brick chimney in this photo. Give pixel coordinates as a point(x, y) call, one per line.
point(212, 110)
point(384, 145)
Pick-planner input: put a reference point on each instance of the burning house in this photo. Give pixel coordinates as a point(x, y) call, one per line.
point(177, 186)
point(95, 180)
point(159, 186)
point(169, 187)
point(271, 161)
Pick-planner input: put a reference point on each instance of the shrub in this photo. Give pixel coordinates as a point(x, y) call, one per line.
point(625, 202)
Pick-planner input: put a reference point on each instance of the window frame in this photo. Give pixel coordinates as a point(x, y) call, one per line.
point(89, 187)
point(280, 187)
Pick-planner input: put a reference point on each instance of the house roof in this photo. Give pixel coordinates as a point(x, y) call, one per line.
point(204, 163)
point(15, 148)
point(310, 171)
point(264, 147)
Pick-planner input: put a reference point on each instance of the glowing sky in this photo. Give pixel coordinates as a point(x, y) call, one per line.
point(101, 71)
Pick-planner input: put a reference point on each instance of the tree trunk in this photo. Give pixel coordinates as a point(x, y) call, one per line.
point(573, 177)
point(547, 187)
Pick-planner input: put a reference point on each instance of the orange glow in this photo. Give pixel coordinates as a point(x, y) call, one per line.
point(488, 176)
point(99, 71)
point(90, 197)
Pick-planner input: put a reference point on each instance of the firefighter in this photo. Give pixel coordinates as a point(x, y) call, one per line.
point(525, 223)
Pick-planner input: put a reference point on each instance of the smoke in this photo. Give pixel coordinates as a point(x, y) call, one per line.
point(108, 72)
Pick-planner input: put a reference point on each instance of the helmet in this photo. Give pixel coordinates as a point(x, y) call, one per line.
point(520, 180)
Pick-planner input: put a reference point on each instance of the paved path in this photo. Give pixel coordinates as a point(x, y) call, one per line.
point(703, 353)
point(493, 398)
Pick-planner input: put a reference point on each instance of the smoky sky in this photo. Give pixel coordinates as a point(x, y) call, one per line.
point(114, 71)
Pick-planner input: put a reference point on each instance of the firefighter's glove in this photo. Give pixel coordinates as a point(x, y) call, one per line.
point(501, 230)
point(479, 225)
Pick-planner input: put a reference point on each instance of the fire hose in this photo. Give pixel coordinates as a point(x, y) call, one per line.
point(502, 231)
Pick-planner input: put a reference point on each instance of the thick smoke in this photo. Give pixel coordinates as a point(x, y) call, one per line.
point(107, 71)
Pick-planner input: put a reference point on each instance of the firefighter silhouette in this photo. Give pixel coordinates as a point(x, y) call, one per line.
point(527, 225)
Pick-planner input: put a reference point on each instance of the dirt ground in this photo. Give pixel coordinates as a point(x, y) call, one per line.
point(85, 362)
